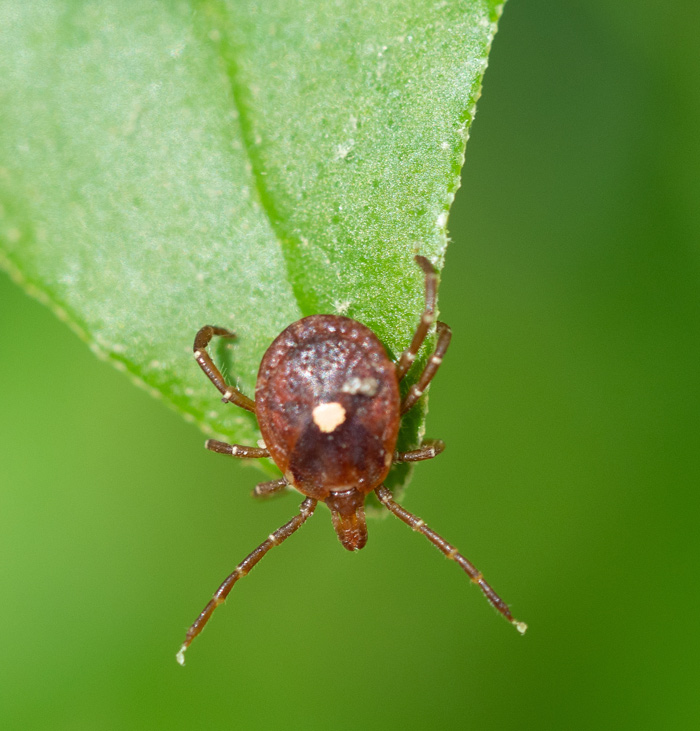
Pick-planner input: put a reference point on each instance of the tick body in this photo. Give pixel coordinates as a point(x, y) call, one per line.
point(327, 401)
point(329, 409)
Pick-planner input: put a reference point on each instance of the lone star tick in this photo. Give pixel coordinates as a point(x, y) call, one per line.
point(328, 406)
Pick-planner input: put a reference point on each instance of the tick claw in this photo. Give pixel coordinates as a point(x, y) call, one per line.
point(180, 657)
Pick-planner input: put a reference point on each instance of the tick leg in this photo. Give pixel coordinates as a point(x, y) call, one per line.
point(426, 320)
point(267, 489)
point(201, 340)
point(263, 489)
point(274, 539)
point(427, 450)
point(451, 552)
point(236, 450)
point(444, 335)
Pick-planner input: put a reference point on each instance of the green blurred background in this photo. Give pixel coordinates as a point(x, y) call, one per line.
point(569, 403)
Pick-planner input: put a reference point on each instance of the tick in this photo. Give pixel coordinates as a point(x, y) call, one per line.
point(328, 405)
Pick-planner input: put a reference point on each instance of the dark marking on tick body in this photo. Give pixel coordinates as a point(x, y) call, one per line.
point(328, 405)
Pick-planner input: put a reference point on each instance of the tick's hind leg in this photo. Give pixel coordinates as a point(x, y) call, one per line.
point(244, 567)
point(426, 320)
point(444, 335)
point(201, 340)
point(429, 449)
point(451, 552)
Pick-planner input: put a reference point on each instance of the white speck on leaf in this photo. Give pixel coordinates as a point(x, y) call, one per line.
point(342, 150)
point(176, 51)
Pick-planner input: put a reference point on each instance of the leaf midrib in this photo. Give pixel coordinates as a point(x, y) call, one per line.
point(304, 296)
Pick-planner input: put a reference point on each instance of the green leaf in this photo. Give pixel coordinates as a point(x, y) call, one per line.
point(169, 165)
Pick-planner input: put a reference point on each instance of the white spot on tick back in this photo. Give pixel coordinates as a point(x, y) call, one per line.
point(329, 416)
point(364, 386)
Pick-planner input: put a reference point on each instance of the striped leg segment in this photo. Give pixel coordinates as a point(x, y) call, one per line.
point(451, 552)
point(230, 394)
point(426, 320)
point(243, 568)
point(268, 489)
point(444, 335)
point(236, 450)
point(429, 449)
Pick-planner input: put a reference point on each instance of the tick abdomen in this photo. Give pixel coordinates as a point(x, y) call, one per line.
point(327, 399)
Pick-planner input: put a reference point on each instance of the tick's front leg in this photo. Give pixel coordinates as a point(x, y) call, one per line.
point(274, 539)
point(451, 552)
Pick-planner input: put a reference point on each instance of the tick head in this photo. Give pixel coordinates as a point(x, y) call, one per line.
point(348, 514)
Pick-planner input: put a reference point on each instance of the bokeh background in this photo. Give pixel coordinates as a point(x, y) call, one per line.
point(569, 403)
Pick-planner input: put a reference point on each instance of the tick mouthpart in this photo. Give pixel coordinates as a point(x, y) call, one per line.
point(348, 515)
point(351, 529)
